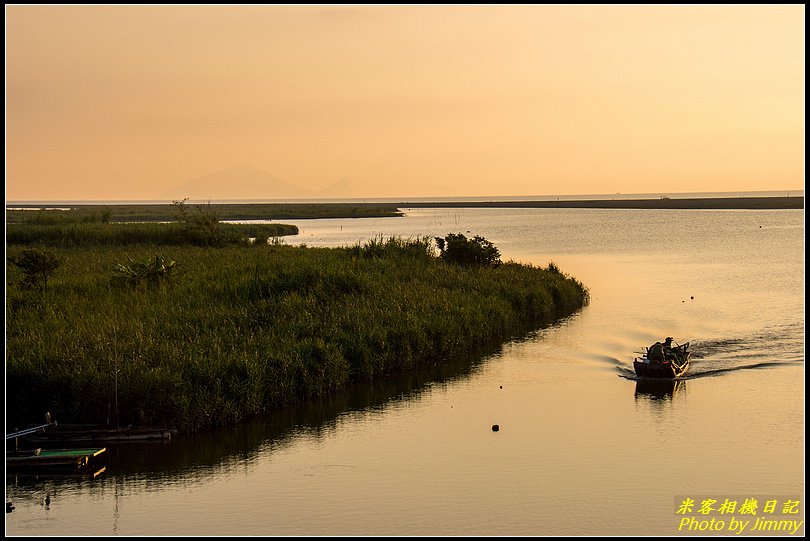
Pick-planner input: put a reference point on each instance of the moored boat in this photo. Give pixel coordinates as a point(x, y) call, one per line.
point(82, 434)
point(671, 362)
point(53, 460)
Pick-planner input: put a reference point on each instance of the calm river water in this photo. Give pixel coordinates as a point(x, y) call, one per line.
point(583, 448)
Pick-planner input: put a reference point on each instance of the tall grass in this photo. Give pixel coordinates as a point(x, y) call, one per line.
point(119, 234)
point(60, 217)
point(243, 330)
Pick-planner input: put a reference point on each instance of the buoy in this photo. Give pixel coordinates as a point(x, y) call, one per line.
point(495, 428)
point(501, 386)
point(692, 297)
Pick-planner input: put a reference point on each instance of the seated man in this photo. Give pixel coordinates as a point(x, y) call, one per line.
point(655, 353)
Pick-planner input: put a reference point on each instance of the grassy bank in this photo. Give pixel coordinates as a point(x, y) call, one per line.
point(86, 213)
point(158, 234)
point(241, 330)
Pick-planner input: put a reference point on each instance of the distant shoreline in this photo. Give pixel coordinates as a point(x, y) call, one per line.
point(304, 210)
point(704, 203)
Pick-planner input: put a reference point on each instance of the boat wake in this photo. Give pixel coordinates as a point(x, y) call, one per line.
point(701, 372)
point(627, 373)
point(774, 348)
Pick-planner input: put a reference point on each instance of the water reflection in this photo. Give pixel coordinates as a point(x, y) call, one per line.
point(659, 389)
point(34, 477)
point(193, 458)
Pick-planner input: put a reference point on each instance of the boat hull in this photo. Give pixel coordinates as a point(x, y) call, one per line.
point(53, 460)
point(662, 370)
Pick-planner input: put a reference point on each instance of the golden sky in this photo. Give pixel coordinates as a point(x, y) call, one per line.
point(124, 102)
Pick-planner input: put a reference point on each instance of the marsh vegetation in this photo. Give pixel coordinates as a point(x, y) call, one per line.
point(161, 212)
point(195, 334)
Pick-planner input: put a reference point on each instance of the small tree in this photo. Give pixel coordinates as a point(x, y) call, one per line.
point(456, 248)
point(202, 221)
point(37, 265)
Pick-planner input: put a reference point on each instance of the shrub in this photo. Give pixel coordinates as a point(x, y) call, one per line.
point(456, 248)
point(203, 220)
point(37, 265)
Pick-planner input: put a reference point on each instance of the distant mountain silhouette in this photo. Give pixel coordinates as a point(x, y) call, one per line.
point(340, 188)
point(248, 182)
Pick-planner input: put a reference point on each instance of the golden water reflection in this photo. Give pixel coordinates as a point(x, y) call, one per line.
point(659, 389)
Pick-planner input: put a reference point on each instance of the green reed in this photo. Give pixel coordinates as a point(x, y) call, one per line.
point(239, 331)
point(118, 234)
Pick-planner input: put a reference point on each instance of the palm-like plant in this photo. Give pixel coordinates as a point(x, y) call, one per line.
point(152, 272)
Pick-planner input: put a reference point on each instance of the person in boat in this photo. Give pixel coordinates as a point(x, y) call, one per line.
point(655, 353)
point(668, 351)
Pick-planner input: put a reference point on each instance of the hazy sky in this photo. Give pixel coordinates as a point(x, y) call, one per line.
point(124, 102)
